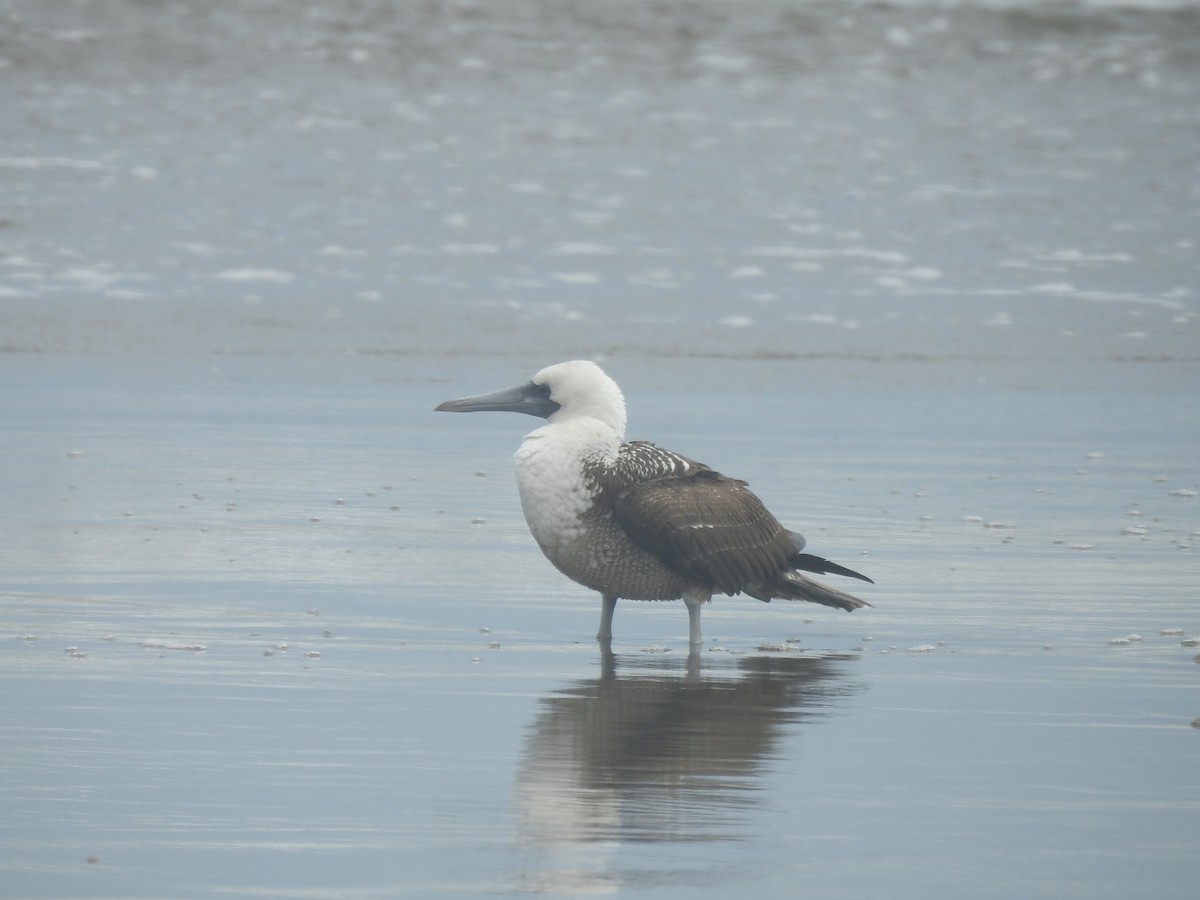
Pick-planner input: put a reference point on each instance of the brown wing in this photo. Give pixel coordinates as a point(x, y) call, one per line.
point(705, 526)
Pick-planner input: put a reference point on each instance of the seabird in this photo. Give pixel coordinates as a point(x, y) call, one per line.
point(632, 520)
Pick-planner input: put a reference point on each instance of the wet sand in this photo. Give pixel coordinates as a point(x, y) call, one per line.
point(924, 277)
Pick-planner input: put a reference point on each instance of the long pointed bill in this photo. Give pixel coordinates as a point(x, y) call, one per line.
point(527, 398)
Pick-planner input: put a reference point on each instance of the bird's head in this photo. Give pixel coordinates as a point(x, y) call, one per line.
point(569, 390)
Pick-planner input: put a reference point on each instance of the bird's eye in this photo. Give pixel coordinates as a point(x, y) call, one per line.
point(541, 390)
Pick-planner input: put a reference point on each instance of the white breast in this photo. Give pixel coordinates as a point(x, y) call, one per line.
point(550, 479)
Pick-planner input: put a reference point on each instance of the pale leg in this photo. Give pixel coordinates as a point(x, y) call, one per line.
point(608, 607)
point(693, 605)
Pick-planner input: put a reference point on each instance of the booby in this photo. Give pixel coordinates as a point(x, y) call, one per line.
point(635, 521)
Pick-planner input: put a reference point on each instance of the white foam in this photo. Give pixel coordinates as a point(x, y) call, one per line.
point(264, 276)
point(582, 248)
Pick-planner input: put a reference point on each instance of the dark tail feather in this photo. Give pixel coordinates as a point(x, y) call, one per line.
point(806, 562)
point(794, 586)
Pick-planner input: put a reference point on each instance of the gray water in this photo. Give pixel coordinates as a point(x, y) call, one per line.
point(924, 274)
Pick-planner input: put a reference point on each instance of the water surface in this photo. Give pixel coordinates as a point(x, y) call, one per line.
point(923, 274)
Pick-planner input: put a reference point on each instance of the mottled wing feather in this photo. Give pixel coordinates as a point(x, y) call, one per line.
point(710, 528)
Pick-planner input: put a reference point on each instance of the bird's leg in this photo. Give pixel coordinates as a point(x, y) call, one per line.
point(607, 608)
point(693, 601)
point(693, 662)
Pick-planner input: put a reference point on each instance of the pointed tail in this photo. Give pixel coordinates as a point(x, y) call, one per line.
point(808, 563)
point(794, 586)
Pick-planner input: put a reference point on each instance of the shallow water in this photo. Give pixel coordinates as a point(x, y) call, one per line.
point(301, 643)
point(925, 276)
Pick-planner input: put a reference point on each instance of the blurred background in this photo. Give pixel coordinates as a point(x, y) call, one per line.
point(963, 182)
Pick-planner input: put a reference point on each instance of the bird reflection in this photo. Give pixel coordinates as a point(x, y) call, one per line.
point(658, 749)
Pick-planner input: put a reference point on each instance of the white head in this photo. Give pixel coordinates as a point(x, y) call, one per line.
point(564, 392)
point(582, 390)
